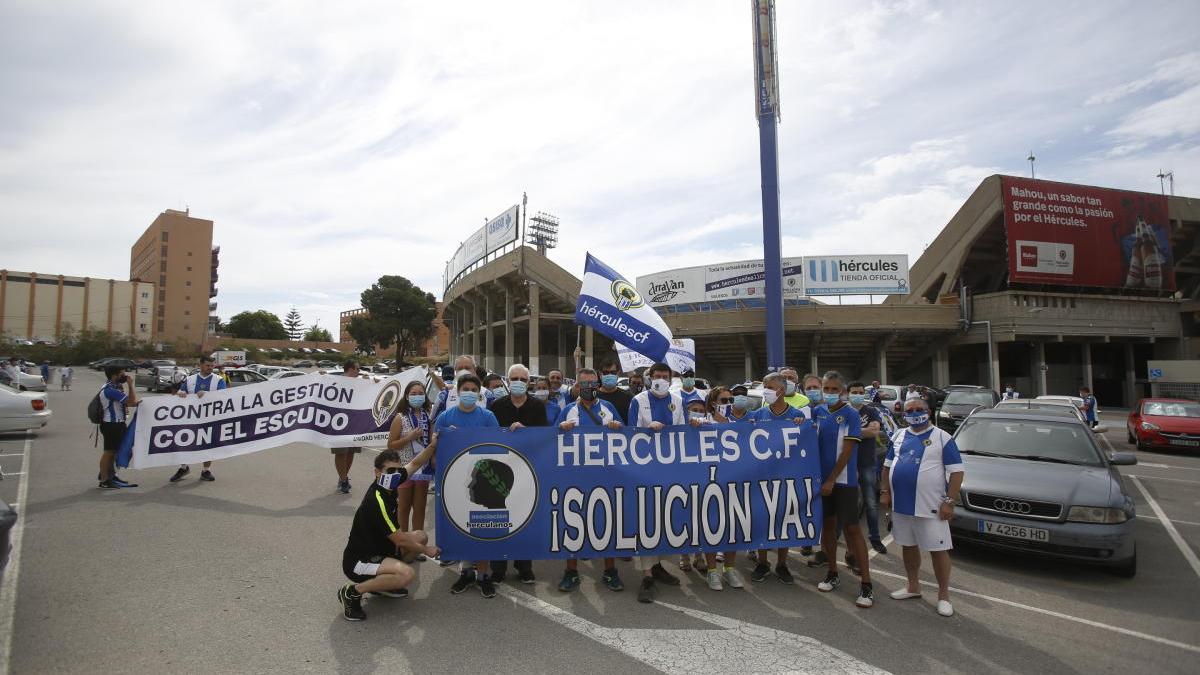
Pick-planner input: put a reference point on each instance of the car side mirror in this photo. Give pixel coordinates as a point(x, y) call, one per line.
point(1122, 459)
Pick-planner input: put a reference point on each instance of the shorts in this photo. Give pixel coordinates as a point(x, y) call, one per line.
point(359, 571)
point(842, 504)
point(927, 534)
point(112, 433)
point(345, 451)
point(424, 474)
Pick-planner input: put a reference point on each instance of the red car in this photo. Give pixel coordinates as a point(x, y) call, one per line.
point(1165, 423)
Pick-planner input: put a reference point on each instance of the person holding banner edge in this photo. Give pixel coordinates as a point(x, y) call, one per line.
point(409, 435)
point(367, 560)
point(589, 410)
point(343, 458)
point(776, 408)
point(654, 409)
point(469, 413)
point(513, 412)
point(198, 384)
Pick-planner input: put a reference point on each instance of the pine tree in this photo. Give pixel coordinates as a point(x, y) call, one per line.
point(293, 325)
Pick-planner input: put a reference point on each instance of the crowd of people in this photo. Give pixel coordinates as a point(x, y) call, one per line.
point(867, 464)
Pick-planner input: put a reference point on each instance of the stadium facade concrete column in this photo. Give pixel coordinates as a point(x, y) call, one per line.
point(561, 331)
point(1038, 367)
point(510, 331)
point(489, 335)
point(589, 346)
point(1131, 396)
point(475, 353)
point(941, 368)
point(1085, 351)
point(813, 361)
point(535, 327)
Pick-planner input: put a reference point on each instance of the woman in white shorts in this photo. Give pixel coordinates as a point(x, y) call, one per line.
point(922, 475)
point(409, 435)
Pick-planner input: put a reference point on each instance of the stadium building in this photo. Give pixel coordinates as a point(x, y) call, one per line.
point(1043, 285)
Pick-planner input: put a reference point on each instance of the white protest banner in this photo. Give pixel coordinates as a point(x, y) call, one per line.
point(328, 411)
point(681, 356)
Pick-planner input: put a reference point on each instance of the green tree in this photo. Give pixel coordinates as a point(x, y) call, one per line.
point(293, 324)
point(317, 334)
point(362, 329)
point(398, 312)
point(260, 325)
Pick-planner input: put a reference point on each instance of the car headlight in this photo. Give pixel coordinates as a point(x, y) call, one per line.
point(1096, 514)
point(1146, 426)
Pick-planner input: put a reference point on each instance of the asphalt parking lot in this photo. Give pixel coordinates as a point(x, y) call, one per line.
point(240, 575)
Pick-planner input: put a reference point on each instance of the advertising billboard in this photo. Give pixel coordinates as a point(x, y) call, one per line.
point(856, 275)
point(1078, 235)
point(743, 279)
point(807, 276)
point(501, 230)
point(496, 234)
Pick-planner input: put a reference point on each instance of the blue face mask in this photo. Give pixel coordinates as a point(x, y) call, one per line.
point(830, 399)
point(518, 388)
point(468, 399)
point(499, 392)
point(416, 400)
point(789, 388)
point(814, 395)
point(688, 382)
point(916, 419)
point(609, 380)
point(741, 402)
point(857, 400)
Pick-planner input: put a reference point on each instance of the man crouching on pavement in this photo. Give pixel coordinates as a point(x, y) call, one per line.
point(374, 538)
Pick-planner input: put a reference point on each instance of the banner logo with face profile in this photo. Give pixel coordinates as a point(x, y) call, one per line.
point(386, 402)
point(489, 491)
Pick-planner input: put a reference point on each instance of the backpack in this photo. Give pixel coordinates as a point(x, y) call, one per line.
point(95, 410)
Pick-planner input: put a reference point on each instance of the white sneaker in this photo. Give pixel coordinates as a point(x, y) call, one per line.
point(945, 608)
point(714, 581)
point(904, 594)
point(733, 578)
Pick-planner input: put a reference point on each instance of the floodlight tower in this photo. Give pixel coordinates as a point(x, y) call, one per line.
point(542, 232)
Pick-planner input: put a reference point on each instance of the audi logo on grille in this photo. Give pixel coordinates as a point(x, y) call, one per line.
point(1011, 506)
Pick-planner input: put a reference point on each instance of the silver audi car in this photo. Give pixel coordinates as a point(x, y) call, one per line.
point(1038, 482)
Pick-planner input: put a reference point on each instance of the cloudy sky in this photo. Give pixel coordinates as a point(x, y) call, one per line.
point(333, 142)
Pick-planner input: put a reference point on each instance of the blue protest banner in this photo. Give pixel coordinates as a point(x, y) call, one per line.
point(542, 493)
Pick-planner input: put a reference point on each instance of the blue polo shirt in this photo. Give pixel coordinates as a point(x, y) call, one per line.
point(838, 426)
point(456, 417)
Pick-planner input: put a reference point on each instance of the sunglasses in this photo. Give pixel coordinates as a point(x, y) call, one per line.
point(725, 400)
point(393, 469)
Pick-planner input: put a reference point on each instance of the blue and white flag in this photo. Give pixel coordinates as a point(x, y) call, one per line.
point(610, 304)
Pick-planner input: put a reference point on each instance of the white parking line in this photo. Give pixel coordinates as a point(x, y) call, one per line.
point(13, 454)
point(1057, 615)
point(8, 587)
point(1152, 466)
point(1186, 550)
point(1173, 520)
point(1173, 480)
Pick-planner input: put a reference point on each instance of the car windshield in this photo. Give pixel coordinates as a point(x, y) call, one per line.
point(969, 398)
point(1171, 409)
point(1035, 440)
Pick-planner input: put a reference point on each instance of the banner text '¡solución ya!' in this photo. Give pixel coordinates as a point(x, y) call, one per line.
point(605, 448)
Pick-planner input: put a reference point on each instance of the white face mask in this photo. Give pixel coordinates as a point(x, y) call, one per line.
point(460, 373)
point(769, 396)
point(660, 387)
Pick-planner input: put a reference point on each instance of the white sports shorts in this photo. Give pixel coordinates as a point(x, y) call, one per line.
point(366, 569)
point(927, 534)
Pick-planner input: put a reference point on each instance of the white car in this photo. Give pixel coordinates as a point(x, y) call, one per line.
point(22, 410)
point(25, 381)
point(279, 375)
point(269, 371)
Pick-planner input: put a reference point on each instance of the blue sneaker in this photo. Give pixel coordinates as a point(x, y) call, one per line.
point(570, 581)
point(121, 483)
point(612, 580)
